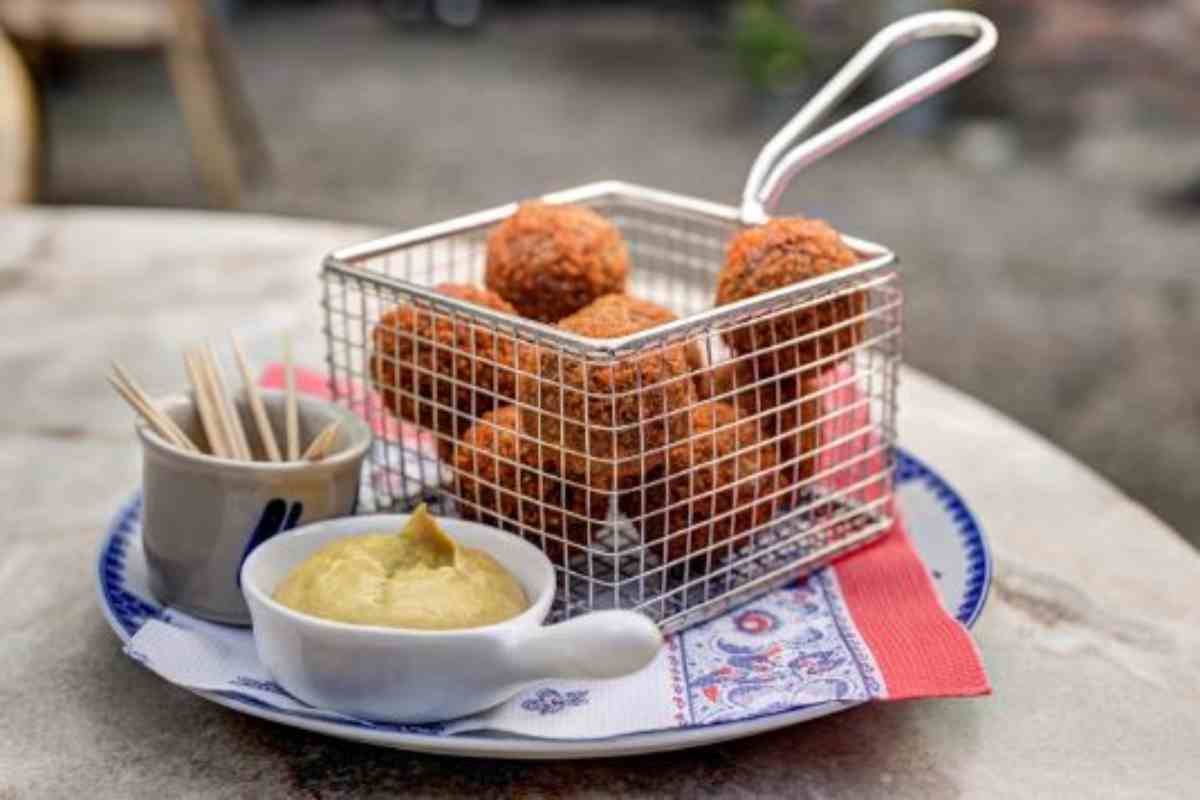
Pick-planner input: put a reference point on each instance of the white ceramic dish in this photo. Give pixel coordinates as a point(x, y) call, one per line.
point(940, 524)
point(398, 675)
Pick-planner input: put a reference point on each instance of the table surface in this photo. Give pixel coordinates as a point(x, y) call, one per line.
point(1091, 635)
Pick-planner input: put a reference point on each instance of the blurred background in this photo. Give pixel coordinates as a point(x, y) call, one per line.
point(1047, 211)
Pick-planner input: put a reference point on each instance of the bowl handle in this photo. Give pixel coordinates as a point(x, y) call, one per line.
point(602, 644)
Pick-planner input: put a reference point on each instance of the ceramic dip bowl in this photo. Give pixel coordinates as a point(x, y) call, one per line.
point(402, 675)
point(204, 515)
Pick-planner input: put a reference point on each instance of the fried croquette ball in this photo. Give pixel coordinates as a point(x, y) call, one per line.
point(505, 477)
point(549, 261)
point(627, 311)
point(787, 410)
point(613, 417)
point(439, 372)
point(779, 253)
point(724, 380)
point(719, 483)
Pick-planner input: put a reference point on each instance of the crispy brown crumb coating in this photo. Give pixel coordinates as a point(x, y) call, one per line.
point(779, 253)
point(786, 409)
point(454, 373)
point(717, 484)
point(626, 312)
point(614, 416)
point(549, 261)
point(493, 489)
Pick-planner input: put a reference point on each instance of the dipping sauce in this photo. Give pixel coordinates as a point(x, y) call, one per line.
point(418, 579)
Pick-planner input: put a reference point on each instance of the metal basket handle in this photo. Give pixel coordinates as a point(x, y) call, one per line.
point(774, 168)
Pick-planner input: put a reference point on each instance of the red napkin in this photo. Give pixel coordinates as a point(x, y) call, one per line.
point(919, 647)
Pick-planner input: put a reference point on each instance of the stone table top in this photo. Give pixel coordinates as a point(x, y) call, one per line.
point(1091, 635)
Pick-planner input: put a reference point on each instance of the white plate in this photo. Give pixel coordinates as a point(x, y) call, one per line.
point(941, 526)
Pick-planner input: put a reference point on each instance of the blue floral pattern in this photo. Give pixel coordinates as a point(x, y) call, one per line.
point(785, 650)
point(552, 701)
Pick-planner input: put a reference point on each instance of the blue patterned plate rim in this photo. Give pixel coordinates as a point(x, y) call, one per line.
point(125, 612)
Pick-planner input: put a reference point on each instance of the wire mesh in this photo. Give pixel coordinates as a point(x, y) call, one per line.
point(676, 471)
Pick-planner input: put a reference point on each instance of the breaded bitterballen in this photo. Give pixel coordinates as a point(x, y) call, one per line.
point(613, 417)
point(643, 314)
point(719, 483)
point(786, 408)
point(549, 261)
point(457, 369)
point(503, 476)
point(779, 253)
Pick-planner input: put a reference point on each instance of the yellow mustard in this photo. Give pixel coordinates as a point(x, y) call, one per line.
point(419, 579)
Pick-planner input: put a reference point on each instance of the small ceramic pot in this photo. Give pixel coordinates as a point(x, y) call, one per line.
point(400, 675)
point(204, 515)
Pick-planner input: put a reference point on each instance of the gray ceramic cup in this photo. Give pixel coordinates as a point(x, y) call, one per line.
point(203, 515)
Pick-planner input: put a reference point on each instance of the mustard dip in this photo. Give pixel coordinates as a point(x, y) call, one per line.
point(419, 578)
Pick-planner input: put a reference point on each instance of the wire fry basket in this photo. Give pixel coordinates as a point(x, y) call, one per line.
point(663, 471)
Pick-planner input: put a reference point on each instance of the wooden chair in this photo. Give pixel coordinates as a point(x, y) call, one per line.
point(19, 139)
point(225, 140)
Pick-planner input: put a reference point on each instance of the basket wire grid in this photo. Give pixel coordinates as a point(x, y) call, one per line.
point(663, 471)
point(680, 546)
